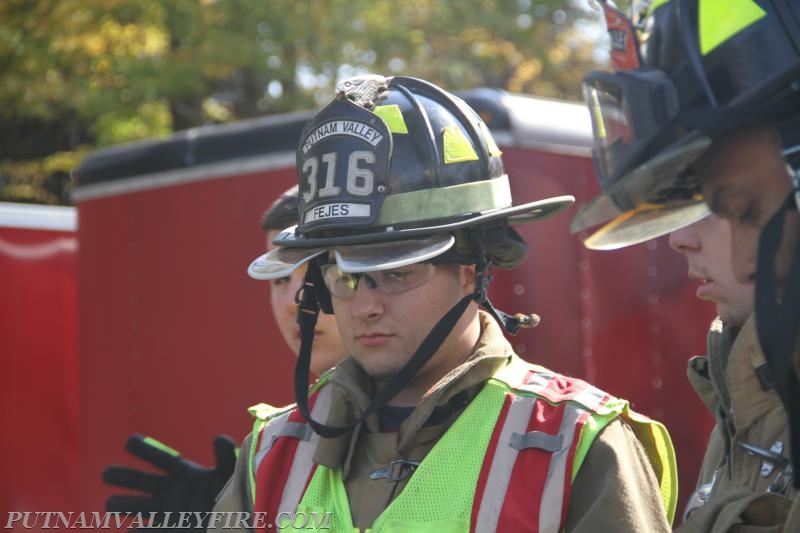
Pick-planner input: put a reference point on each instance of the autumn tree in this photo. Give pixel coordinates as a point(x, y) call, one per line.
point(83, 74)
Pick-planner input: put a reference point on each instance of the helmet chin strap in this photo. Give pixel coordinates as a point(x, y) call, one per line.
point(778, 321)
point(483, 275)
point(511, 323)
point(308, 312)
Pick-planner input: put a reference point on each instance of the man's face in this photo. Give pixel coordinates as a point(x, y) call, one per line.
point(707, 247)
point(328, 349)
point(382, 331)
point(744, 180)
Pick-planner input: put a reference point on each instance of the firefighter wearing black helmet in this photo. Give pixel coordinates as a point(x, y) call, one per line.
point(432, 423)
point(703, 111)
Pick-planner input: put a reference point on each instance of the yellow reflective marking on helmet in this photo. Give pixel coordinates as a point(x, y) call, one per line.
point(441, 202)
point(393, 117)
point(722, 19)
point(457, 147)
point(657, 3)
point(491, 145)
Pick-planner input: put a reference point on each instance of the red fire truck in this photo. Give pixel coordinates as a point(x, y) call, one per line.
point(175, 341)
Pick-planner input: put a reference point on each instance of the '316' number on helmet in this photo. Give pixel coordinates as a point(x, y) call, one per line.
point(359, 182)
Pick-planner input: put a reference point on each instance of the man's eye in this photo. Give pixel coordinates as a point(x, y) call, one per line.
point(748, 215)
point(348, 280)
point(395, 275)
point(281, 281)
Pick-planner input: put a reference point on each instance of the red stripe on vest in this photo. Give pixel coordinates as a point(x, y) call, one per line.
point(561, 388)
point(273, 472)
point(571, 457)
point(487, 461)
point(520, 510)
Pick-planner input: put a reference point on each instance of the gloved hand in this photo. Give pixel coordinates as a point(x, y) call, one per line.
point(187, 487)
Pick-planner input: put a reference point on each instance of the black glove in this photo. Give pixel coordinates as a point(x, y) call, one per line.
point(187, 487)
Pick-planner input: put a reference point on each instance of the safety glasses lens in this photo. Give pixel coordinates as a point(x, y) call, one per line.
point(344, 285)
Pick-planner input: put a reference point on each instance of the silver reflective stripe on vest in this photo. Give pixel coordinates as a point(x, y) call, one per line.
point(303, 461)
point(591, 397)
point(537, 382)
point(552, 500)
point(298, 430)
point(271, 432)
point(519, 413)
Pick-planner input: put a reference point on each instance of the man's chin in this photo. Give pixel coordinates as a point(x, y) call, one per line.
point(375, 371)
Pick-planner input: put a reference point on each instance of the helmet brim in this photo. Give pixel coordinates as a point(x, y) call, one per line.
point(281, 262)
point(645, 223)
point(626, 203)
point(390, 248)
point(514, 215)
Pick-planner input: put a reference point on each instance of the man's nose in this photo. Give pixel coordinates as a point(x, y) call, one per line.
point(367, 302)
point(684, 240)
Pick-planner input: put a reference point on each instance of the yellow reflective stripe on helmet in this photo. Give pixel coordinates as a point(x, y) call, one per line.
point(722, 19)
point(161, 446)
point(393, 117)
point(487, 136)
point(657, 3)
point(443, 202)
point(457, 147)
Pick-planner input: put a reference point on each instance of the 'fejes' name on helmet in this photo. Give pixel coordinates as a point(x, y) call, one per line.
point(343, 127)
point(338, 210)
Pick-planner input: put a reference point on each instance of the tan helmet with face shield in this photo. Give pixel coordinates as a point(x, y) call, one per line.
point(687, 72)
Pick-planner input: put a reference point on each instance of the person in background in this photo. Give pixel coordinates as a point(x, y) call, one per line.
point(703, 112)
point(328, 347)
point(745, 455)
point(185, 485)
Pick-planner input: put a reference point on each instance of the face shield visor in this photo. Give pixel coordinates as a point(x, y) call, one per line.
point(629, 111)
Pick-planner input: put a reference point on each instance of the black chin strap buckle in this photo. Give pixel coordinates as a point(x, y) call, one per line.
point(305, 305)
point(511, 323)
point(395, 471)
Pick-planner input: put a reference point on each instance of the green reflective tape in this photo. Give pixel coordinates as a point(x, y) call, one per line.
point(487, 136)
point(161, 446)
point(393, 117)
point(443, 202)
point(457, 147)
point(657, 3)
point(258, 425)
point(722, 19)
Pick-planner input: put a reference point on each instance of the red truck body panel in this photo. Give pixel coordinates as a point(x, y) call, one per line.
point(38, 359)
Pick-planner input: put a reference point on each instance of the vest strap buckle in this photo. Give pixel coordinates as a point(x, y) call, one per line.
point(537, 439)
point(395, 471)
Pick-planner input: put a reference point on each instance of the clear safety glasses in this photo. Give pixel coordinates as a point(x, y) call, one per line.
point(344, 285)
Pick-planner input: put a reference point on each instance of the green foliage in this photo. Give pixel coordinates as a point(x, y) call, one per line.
point(83, 74)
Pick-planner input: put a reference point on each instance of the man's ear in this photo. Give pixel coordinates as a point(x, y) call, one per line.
point(468, 279)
